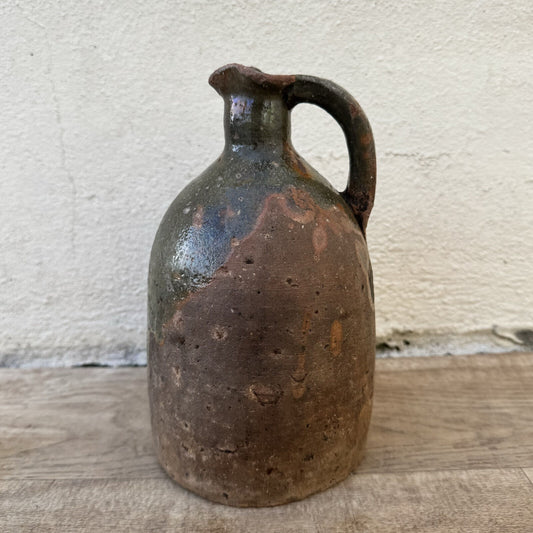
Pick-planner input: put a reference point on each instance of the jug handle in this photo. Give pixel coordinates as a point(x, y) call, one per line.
point(359, 193)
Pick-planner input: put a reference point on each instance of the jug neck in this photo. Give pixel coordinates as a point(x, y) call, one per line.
point(256, 114)
point(256, 122)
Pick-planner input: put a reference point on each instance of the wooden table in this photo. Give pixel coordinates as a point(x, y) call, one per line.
point(450, 449)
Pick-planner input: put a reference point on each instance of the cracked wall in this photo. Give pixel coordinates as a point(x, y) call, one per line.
point(107, 114)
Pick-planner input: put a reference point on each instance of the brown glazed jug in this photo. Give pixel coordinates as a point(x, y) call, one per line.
point(261, 340)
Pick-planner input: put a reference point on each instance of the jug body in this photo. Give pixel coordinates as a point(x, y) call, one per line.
point(261, 340)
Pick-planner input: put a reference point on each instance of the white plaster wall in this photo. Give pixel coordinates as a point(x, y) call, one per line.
point(106, 114)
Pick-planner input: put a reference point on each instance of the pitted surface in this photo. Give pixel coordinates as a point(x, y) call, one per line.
point(261, 383)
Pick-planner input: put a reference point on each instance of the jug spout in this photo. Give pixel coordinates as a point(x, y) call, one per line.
point(235, 78)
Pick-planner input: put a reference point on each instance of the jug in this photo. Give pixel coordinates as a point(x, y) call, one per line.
point(261, 337)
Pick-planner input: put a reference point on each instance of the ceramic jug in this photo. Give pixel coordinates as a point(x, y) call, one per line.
point(261, 340)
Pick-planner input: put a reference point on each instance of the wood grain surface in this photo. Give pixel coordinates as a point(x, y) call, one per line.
point(450, 449)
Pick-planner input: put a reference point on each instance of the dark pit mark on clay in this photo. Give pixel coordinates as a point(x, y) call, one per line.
point(227, 449)
point(299, 375)
point(219, 333)
point(266, 395)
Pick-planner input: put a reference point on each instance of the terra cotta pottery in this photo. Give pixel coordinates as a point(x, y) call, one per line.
point(261, 341)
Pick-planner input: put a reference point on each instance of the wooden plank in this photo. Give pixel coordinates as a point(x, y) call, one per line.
point(452, 412)
point(429, 414)
point(405, 364)
point(482, 501)
point(75, 423)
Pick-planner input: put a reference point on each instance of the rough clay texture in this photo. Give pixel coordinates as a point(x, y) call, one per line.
point(107, 114)
point(268, 398)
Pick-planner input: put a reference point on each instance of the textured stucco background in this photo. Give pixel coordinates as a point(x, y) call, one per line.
point(107, 114)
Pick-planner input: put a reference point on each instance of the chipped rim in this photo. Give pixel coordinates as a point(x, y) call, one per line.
point(234, 77)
